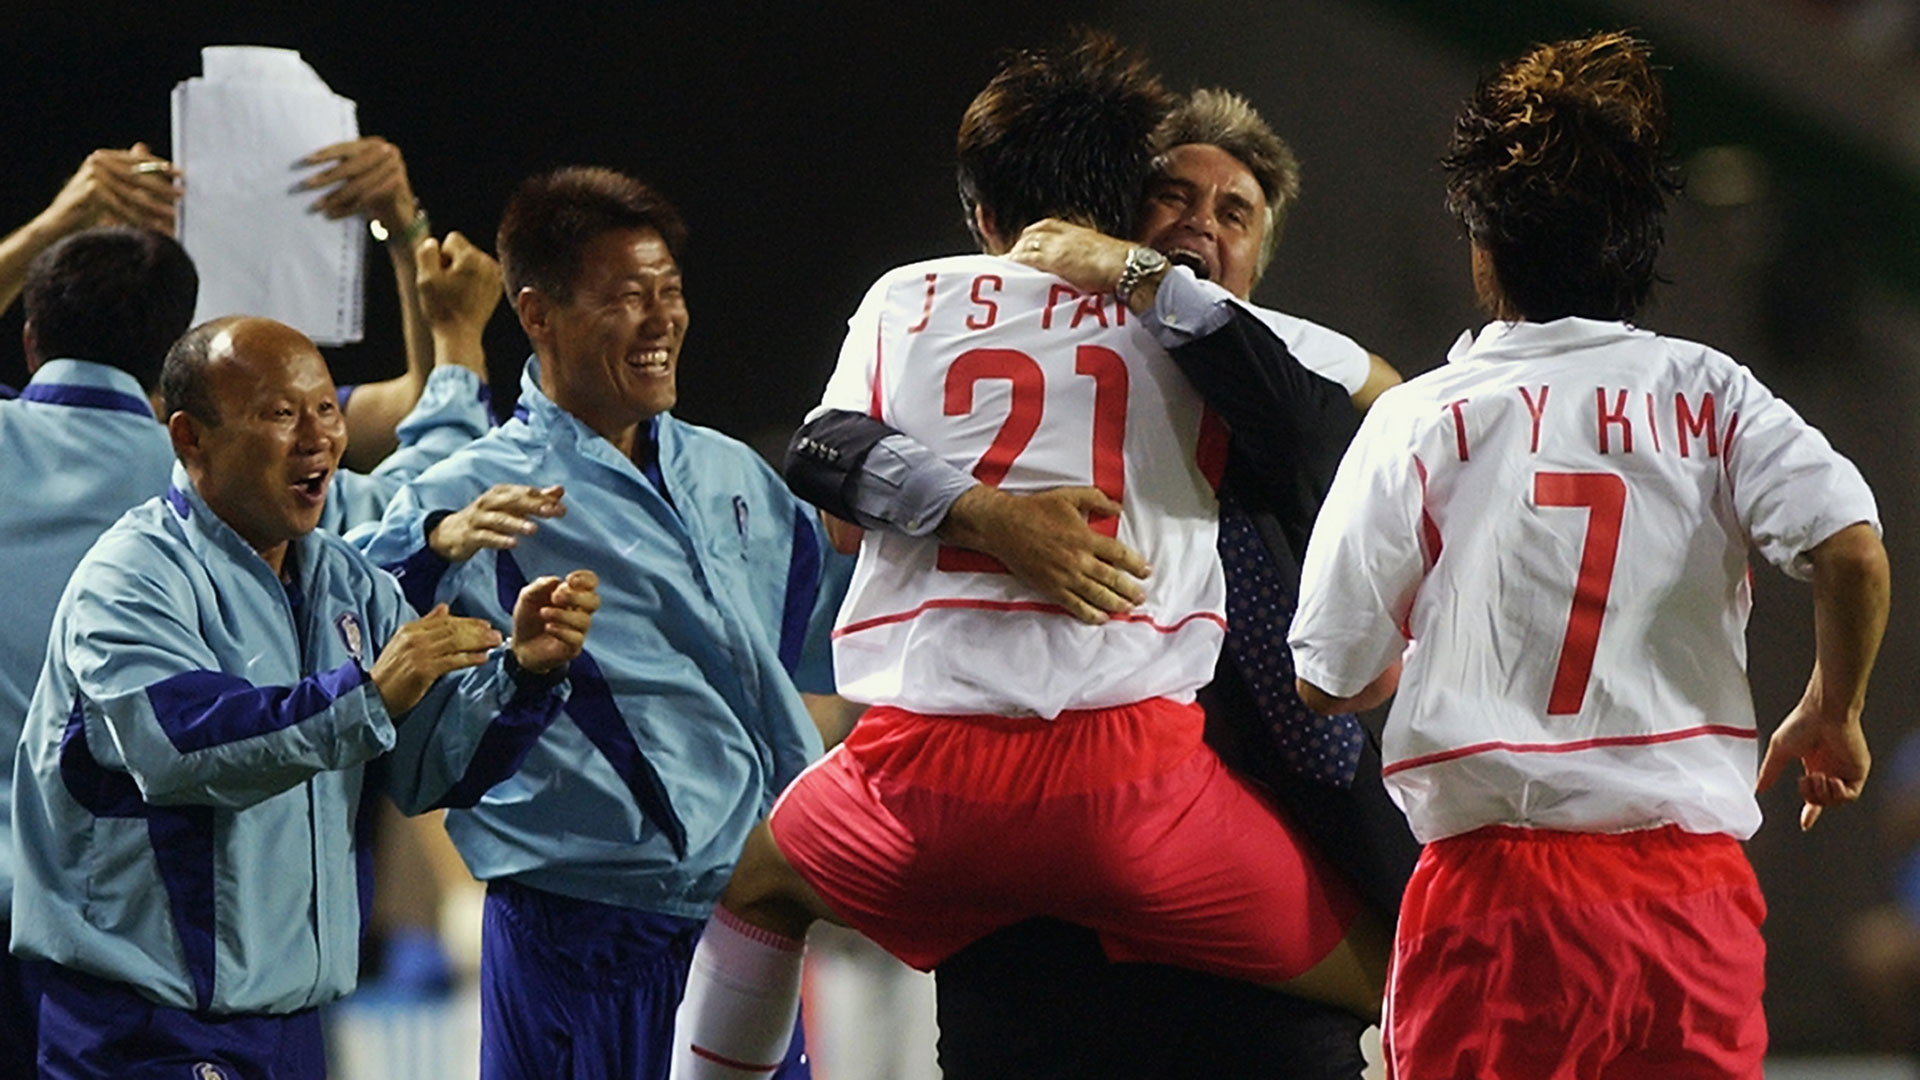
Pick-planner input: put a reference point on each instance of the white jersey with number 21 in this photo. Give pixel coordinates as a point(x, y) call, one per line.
point(1558, 521)
point(1013, 374)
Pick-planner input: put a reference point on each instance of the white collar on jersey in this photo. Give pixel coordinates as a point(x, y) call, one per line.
point(1529, 340)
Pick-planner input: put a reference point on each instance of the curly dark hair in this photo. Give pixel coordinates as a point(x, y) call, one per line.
point(1557, 169)
point(1065, 133)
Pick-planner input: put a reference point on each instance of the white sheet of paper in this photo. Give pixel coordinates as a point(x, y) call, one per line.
point(237, 133)
point(258, 63)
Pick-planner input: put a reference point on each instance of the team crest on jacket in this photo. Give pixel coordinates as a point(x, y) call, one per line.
point(207, 1070)
point(740, 516)
point(351, 635)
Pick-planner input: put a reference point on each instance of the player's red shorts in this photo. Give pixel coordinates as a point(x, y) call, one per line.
point(1561, 955)
point(928, 832)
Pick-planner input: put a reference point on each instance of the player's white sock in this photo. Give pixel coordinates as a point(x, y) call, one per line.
point(743, 996)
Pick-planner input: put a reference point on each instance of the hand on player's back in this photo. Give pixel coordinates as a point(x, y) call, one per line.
point(1043, 538)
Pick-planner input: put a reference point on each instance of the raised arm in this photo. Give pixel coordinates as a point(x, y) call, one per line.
point(458, 286)
point(111, 187)
point(1288, 423)
point(368, 177)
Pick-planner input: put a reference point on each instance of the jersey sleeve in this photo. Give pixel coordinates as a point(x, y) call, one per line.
point(1327, 353)
point(1365, 560)
point(186, 731)
point(853, 386)
point(1791, 489)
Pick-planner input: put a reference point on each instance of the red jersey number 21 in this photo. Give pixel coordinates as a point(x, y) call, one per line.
point(1026, 406)
point(1604, 496)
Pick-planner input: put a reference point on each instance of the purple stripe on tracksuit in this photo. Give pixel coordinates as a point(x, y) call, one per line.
point(182, 839)
point(803, 588)
point(199, 710)
point(93, 1028)
point(87, 397)
point(504, 747)
point(102, 792)
point(419, 574)
point(593, 711)
point(366, 825)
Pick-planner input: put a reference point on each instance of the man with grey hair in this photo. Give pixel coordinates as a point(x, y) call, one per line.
point(1214, 208)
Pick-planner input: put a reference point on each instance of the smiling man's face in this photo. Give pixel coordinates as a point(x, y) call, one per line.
point(1205, 211)
point(613, 346)
point(265, 467)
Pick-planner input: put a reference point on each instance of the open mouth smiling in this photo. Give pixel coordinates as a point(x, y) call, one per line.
point(313, 485)
point(1192, 260)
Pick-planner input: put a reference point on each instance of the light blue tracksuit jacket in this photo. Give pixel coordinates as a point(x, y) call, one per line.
point(189, 792)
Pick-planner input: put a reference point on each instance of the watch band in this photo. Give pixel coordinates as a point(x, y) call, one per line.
point(1142, 263)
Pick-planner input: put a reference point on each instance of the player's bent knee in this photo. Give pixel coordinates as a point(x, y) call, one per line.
point(768, 892)
point(1353, 975)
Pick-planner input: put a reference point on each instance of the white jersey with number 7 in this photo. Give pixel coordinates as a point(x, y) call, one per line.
point(1013, 374)
point(1555, 528)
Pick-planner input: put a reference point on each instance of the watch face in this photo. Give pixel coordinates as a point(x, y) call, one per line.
point(1142, 263)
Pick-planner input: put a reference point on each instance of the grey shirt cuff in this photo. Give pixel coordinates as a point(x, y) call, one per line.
point(906, 488)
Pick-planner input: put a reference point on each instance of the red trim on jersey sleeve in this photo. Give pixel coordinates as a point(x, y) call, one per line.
point(1429, 542)
point(1429, 529)
point(1034, 606)
point(727, 1062)
point(1650, 739)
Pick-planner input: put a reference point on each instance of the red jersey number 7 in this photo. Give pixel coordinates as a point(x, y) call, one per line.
point(1604, 496)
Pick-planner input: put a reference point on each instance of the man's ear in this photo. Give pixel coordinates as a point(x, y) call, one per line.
point(30, 343)
point(536, 314)
point(184, 432)
point(983, 228)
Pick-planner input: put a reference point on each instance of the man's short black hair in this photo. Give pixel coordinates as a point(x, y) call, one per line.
point(113, 295)
point(551, 218)
point(1064, 133)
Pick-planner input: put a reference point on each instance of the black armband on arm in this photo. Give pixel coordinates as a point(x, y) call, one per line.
point(825, 457)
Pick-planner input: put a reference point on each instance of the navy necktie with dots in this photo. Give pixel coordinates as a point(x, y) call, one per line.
point(1325, 749)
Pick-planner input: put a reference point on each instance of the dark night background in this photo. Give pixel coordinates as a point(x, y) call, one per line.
point(809, 148)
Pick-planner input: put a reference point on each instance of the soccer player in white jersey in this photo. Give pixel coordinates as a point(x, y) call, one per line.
point(1017, 761)
point(1554, 529)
